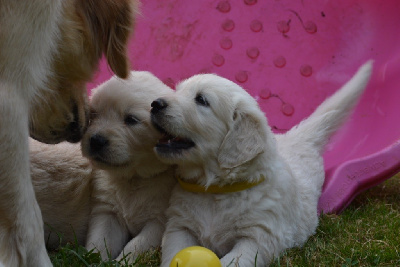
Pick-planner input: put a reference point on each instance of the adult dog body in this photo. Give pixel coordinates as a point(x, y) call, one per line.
point(219, 138)
point(48, 50)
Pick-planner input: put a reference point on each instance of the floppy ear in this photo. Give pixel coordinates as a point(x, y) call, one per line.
point(242, 143)
point(110, 23)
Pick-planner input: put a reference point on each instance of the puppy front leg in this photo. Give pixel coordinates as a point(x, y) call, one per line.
point(107, 235)
point(149, 237)
point(244, 253)
point(21, 226)
point(173, 242)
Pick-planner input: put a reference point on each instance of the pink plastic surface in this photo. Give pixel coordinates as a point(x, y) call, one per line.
point(290, 55)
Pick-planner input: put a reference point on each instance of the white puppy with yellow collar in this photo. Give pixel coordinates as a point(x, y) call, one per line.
point(245, 193)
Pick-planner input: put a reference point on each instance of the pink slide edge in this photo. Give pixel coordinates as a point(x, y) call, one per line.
point(360, 174)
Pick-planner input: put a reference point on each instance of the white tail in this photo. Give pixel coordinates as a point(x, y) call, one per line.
point(331, 114)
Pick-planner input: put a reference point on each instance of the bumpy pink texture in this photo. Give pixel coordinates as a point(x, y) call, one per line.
point(290, 55)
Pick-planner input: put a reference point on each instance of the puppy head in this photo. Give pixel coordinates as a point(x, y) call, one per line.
point(120, 136)
point(88, 29)
point(213, 129)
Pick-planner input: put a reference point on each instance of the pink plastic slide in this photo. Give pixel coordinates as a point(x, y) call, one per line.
point(290, 55)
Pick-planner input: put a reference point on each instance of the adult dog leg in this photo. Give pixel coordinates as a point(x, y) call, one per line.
point(21, 225)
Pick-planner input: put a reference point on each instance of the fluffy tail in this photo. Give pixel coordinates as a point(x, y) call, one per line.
point(330, 115)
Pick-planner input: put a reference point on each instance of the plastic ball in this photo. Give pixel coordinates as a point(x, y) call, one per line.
point(195, 256)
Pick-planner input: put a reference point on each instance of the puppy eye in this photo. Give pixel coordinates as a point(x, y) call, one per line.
point(130, 120)
point(92, 116)
point(201, 100)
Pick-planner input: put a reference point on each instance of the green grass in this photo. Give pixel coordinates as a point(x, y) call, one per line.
point(367, 233)
point(74, 255)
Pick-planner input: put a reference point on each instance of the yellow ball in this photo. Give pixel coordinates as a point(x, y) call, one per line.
point(195, 257)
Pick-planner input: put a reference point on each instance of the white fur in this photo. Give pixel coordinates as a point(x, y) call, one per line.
point(62, 179)
point(131, 193)
point(42, 95)
point(114, 204)
point(233, 143)
point(26, 47)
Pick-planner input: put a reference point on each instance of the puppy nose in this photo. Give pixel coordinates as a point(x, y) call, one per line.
point(158, 104)
point(97, 143)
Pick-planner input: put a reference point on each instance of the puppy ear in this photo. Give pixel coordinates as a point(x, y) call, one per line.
point(242, 143)
point(110, 23)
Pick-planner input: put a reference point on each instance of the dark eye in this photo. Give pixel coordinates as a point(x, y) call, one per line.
point(130, 120)
point(201, 100)
point(92, 115)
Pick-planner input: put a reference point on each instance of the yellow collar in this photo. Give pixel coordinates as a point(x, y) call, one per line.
point(216, 189)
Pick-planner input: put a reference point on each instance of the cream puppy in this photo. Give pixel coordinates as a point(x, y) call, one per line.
point(123, 184)
point(131, 193)
point(244, 192)
point(62, 180)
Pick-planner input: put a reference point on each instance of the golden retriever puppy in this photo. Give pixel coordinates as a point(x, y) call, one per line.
point(131, 194)
point(62, 180)
point(243, 192)
point(49, 49)
point(122, 189)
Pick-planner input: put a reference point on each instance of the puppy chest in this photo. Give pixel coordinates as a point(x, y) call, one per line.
point(220, 235)
point(214, 223)
point(140, 206)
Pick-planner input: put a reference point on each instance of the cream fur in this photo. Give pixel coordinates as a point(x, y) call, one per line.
point(62, 180)
point(48, 50)
point(117, 196)
point(132, 189)
point(131, 192)
point(21, 233)
point(233, 143)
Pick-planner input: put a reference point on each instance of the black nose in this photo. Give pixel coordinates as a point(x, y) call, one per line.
point(97, 143)
point(157, 105)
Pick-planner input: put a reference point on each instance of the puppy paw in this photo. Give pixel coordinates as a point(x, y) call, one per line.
point(126, 258)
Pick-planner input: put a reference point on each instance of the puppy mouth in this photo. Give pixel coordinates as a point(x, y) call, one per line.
point(98, 159)
point(102, 163)
point(172, 143)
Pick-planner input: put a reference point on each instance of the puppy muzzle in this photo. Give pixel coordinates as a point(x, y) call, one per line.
point(158, 105)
